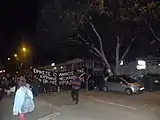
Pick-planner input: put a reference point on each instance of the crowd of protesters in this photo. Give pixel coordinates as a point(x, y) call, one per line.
point(8, 84)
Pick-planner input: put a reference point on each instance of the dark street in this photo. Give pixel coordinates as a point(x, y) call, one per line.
point(92, 106)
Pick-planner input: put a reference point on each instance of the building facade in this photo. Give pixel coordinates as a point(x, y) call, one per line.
point(152, 67)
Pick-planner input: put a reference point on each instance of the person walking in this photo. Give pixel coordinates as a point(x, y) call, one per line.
point(23, 102)
point(76, 85)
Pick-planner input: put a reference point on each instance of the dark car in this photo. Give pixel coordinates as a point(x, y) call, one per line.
point(151, 82)
point(123, 83)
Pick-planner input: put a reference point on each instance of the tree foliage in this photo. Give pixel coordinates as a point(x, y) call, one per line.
point(133, 10)
point(63, 18)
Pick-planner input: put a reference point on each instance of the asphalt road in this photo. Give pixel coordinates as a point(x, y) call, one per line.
point(92, 106)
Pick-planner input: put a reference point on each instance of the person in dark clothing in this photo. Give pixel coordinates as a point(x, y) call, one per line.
point(76, 85)
point(35, 84)
point(2, 87)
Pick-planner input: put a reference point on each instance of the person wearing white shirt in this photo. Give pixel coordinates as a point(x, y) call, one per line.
point(20, 99)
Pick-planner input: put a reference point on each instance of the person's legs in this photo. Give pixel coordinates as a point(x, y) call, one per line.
point(77, 96)
point(21, 116)
point(73, 95)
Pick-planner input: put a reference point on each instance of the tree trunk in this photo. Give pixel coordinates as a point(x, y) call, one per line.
point(117, 56)
point(103, 56)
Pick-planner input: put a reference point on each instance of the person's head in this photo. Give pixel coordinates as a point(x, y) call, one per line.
point(22, 81)
point(76, 74)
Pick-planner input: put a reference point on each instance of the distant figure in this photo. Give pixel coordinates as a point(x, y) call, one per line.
point(76, 85)
point(1, 89)
point(23, 102)
point(35, 84)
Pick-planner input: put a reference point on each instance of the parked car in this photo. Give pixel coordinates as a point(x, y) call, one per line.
point(151, 82)
point(123, 83)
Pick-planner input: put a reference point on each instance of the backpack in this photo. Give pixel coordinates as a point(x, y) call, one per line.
point(28, 104)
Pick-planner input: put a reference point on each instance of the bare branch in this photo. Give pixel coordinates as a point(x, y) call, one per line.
point(84, 40)
point(118, 41)
point(154, 34)
point(70, 40)
point(128, 48)
point(92, 46)
point(152, 42)
point(96, 54)
point(99, 38)
point(101, 48)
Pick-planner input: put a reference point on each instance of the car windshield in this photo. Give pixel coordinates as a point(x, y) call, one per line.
point(128, 79)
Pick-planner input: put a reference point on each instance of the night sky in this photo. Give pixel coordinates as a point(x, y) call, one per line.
point(18, 23)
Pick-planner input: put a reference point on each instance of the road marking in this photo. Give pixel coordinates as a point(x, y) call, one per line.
point(112, 103)
point(50, 116)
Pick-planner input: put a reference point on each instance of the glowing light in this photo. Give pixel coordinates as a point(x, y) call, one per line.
point(55, 68)
point(53, 64)
point(15, 55)
point(141, 67)
point(24, 49)
point(9, 58)
point(141, 62)
point(121, 63)
point(61, 67)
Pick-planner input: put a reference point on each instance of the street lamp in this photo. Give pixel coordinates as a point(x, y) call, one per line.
point(24, 49)
point(9, 58)
point(15, 55)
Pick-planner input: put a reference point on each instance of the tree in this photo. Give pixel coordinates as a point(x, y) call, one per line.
point(135, 11)
point(138, 11)
point(98, 52)
point(79, 16)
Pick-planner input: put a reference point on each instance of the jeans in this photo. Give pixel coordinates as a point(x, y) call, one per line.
point(75, 95)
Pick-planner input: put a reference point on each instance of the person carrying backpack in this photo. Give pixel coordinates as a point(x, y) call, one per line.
point(23, 102)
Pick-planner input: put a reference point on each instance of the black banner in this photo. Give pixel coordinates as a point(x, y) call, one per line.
point(59, 79)
point(45, 76)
